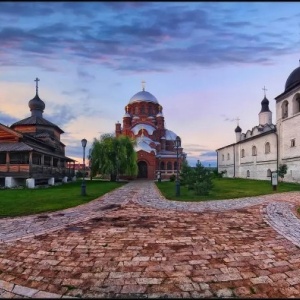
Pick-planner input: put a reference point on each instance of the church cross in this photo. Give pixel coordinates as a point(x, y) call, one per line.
point(36, 85)
point(264, 89)
point(237, 119)
point(143, 84)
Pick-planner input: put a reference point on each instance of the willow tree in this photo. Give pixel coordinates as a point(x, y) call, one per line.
point(113, 156)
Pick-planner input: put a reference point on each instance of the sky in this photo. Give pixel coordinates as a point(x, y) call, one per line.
point(206, 62)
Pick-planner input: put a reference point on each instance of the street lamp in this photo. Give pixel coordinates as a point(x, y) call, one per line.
point(83, 187)
point(159, 171)
point(177, 145)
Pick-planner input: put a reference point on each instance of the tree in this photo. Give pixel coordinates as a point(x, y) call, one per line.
point(282, 170)
point(198, 179)
point(113, 156)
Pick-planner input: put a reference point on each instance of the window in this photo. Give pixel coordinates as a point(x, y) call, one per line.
point(254, 152)
point(150, 110)
point(47, 160)
point(267, 147)
point(169, 166)
point(285, 109)
point(3, 158)
point(36, 159)
point(136, 110)
point(293, 142)
point(228, 156)
point(296, 105)
point(143, 109)
point(175, 165)
point(269, 173)
point(248, 173)
point(243, 153)
point(19, 158)
point(222, 156)
point(162, 165)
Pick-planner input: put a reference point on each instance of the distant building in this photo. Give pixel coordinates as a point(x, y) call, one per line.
point(260, 151)
point(144, 121)
point(31, 151)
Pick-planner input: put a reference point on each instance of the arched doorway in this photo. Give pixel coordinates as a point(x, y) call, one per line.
point(143, 169)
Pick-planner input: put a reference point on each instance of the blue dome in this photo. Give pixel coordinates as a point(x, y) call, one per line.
point(293, 80)
point(143, 96)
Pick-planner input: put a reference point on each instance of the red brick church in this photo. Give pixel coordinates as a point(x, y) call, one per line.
point(155, 145)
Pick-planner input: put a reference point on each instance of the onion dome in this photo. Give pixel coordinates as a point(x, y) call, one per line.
point(293, 80)
point(36, 105)
point(238, 129)
point(160, 114)
point(127, 115)
point(143, 96)
point(136, 118)
point(265, 105)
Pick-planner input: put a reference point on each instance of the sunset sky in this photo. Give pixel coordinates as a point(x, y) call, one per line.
point(205, 62)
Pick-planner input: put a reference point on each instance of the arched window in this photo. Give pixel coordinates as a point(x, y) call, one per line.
point(169, 166)
point(228, 156)
point(150, 110)
point(243, 153)
point(269, 173)
point(248, 173)
point(267, 147)
point(162, 165)
point(142, 109)
point(296, 104)
point(285, 109)
point(136, 110)
point(254, 152)
point(175, 165)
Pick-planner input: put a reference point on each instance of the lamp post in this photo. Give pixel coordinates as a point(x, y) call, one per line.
point(177, 145)
point(83, 187)
point(159, 171)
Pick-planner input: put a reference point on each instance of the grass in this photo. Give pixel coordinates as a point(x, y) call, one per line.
point(227, 188)
point(20, 202)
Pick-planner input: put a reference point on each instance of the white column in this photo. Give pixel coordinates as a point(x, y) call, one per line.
point(10, 182)
point(51, 181)
point(30, 183)
point(65, 179)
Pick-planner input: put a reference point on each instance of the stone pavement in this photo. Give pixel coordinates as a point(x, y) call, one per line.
point(134, 243)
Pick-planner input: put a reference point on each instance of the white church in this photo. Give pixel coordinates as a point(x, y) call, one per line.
point(258, 152)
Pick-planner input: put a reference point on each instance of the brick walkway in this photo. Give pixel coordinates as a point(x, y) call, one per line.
point(134, 243)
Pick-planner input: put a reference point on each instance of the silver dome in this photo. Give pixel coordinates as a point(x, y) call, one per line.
point(143, 96)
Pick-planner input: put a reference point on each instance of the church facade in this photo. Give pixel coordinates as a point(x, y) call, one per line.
point(31, 151)
point(155, 144)
point(260, 151)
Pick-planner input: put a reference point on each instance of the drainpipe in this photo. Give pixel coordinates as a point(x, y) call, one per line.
point(233, 161)
point(277, 150)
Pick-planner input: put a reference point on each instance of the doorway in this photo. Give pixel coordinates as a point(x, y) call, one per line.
point(143, 169)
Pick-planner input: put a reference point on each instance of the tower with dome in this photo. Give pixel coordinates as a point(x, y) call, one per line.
point(31, 151)
point(155, 144)
point(260, 151)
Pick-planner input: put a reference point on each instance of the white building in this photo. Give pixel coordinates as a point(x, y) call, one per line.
point(260, 151)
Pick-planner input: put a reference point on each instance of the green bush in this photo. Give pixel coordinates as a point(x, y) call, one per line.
point(172, 178)
point(202, 188)
point(198, 178)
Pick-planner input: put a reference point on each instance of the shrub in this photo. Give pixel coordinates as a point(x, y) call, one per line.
point(282, 170)
point(202, 188)
point(172, 178)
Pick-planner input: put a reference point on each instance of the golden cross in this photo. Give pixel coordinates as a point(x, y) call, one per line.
point(143, 84)
point(127, 108)
point(237, 119)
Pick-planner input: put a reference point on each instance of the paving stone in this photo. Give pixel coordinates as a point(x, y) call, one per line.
point(152, 247)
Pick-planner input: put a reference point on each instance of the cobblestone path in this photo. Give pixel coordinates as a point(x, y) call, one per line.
point(134, 243)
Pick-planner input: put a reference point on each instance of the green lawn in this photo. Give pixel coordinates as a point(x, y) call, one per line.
point(17, 202)
point(227, 188)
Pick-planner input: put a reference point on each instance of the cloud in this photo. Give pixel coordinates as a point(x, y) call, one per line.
point(209, 154)
point(145, 37)
point(6, 119)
